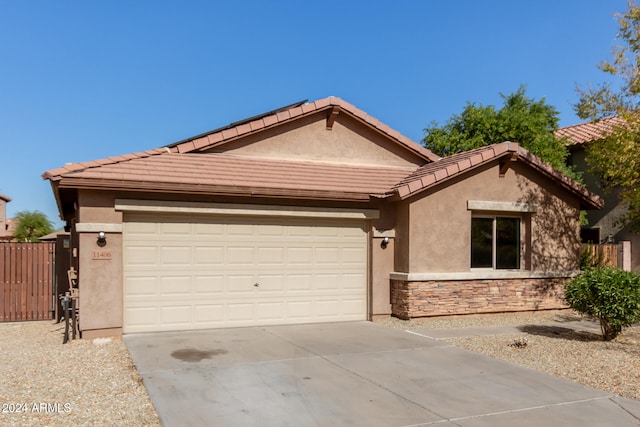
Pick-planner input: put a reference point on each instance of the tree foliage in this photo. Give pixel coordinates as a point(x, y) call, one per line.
point(521, 119)
point(31, 226)
point(609, 294)
point(616, 159)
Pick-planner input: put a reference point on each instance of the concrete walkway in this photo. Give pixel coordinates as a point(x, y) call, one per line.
point(353, 374)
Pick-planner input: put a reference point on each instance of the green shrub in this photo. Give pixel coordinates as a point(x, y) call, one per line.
point(609, 294)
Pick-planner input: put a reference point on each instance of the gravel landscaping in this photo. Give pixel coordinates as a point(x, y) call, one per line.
point(44, 382)
point(83, 382)
point(547, 346)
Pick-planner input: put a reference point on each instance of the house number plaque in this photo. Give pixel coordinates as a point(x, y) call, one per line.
point(105, 255)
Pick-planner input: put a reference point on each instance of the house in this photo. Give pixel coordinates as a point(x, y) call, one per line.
point(6, 232)
point(315, 212)
point(603, 225)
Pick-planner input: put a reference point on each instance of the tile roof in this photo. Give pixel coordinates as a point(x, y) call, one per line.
point(238, 175)
point(590, 131)
point(182, 167)
point(435, 173)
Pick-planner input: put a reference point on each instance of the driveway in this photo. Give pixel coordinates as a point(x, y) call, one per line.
point(354, 374)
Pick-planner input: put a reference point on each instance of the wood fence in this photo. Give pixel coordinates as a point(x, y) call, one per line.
point(26, 281)
point(604, 254)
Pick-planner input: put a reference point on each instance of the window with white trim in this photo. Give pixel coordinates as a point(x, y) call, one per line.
point(495, 242)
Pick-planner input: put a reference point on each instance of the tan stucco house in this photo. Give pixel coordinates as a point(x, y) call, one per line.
point(316, 212)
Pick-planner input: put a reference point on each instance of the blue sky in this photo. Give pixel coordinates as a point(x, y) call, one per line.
point(84, 80)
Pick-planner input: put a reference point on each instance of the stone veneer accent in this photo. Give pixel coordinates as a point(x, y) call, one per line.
point(447, 297)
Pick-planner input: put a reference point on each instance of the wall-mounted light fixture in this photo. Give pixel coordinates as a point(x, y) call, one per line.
point(384, 242)
point(102, 239)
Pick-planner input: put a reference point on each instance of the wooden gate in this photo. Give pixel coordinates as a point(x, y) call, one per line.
point(604, 254)
point(26, 281)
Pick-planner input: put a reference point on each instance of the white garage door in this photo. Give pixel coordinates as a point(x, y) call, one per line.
point(186, 272)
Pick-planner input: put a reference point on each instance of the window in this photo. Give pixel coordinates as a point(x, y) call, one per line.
point(495, 242)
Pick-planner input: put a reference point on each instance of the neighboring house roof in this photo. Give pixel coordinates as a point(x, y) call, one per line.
point(5, 198)
point(435, 173)
point(590, 131)
point(54, 235)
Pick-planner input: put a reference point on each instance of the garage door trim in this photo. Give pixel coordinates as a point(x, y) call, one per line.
point(161, 206)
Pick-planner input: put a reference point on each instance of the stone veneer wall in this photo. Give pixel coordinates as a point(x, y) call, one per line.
point(448, 297)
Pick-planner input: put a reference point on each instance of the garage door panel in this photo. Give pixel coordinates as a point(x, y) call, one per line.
point(240, 312)
point(209, 314)
point(141, 255)
point(142, 318)
point(176, 228)
point(300, 283)
point(327, 255)
point(176, 255)
point(352, 282)
point(209, 285)
point(142, 286)
point(240, 255)
point(209, 255)
point(176, 286)
point(353, 255)
point(271, 311)
point(208, 229)
point(240, 229)
point(199, 272)
point(270, 284)
point(271, 255)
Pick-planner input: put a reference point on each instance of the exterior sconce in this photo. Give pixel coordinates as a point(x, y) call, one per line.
point(384, 243)
point(102, 239)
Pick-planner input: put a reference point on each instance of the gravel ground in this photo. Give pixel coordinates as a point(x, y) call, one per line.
point(43, 382)
point(46, 383)
point(579, 356)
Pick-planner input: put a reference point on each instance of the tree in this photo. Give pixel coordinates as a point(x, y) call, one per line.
point(616, 159)
point(609, 294)
point(32, 225)
point(521, 119)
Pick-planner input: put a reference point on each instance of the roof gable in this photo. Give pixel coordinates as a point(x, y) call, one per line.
point(433, 174)
point(332, 107)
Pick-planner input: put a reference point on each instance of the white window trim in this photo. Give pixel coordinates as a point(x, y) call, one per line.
point(481, 205)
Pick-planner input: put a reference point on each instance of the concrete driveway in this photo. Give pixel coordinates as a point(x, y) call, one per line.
point(354, 374)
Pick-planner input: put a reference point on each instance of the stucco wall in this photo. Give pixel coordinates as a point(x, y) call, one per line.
point(439, 222)
point(100, 278)
point(348, 142)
